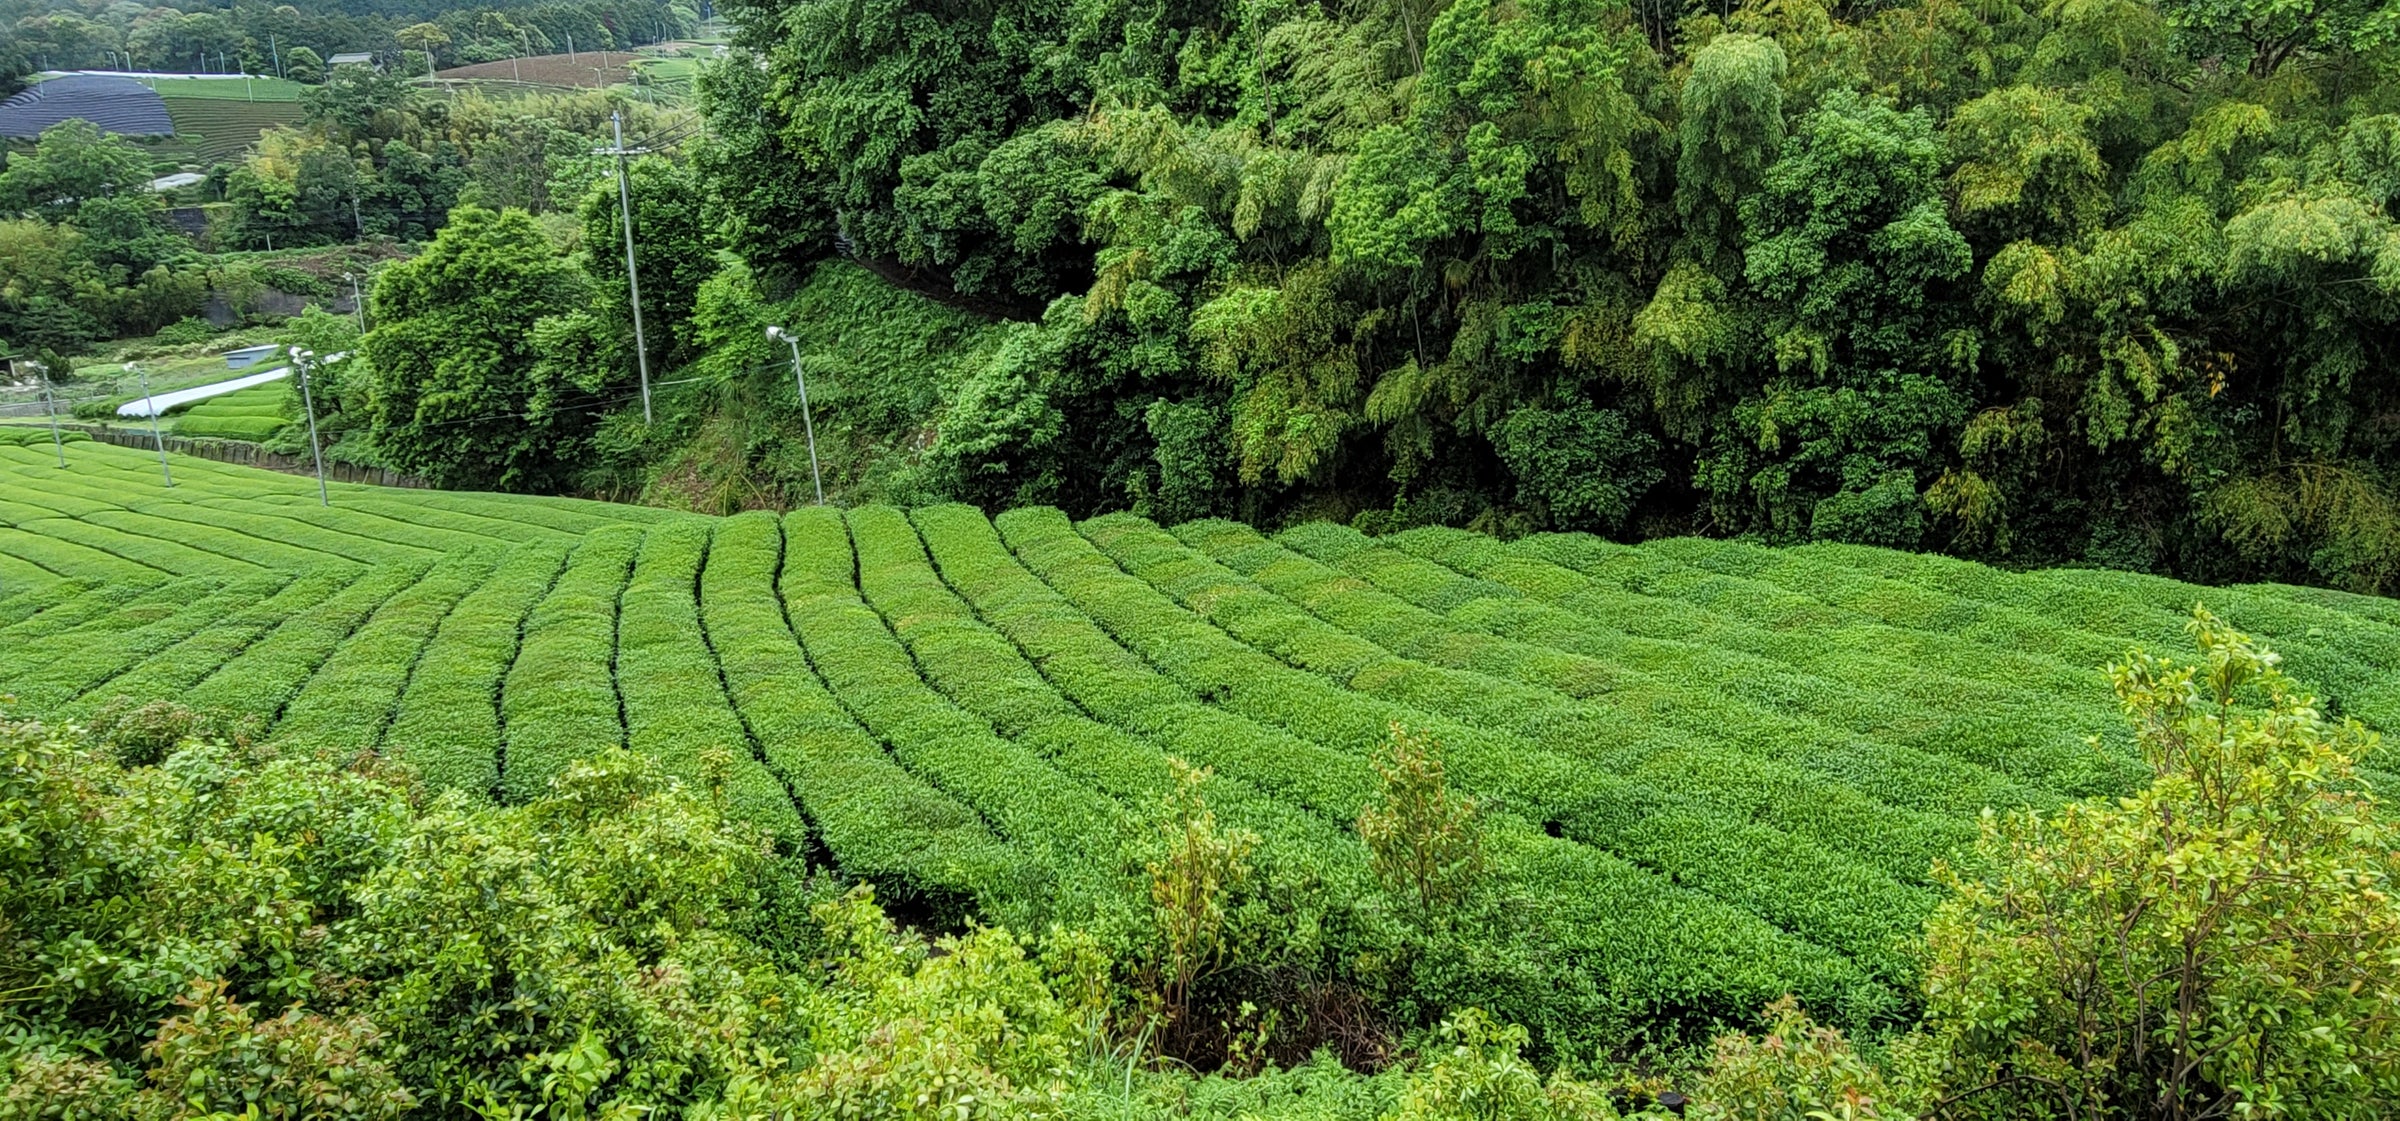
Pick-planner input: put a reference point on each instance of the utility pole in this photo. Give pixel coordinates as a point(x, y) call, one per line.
point(50, 395)
point(151, 403)
point(358, 303)
point(300, 363)
point(633, 281)
point(277, 52)
point(807, 421)
point(356, 223)
point(570, 48)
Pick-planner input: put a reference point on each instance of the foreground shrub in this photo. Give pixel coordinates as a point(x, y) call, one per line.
point(2225, 942)
point(1799, 1070)
point(235, 929)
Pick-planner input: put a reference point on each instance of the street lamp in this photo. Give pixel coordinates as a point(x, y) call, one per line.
point(301, 360)
point(151, 403)
point(806, 420)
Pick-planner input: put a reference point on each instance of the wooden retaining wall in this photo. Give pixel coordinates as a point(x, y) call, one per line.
point(248, 455)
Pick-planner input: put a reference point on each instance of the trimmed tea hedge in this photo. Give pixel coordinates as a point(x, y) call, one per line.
point(560, 700)
point(1713, 772)
point(447, 723)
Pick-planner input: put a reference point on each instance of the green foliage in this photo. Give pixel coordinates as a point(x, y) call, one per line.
point(1732, 130)
point(1477, 1073)
point(969, 1027)
point(1845, 243)
point(215, 1055)
point(2272, 34)
point(255, 414)
point(1676, 782)
point(301, 64)
point(27, 436)
point(1582, 467)
point(459, 395)
point(72, 163)
point(91, 255)
point(618, 912)
point(1797, 1070)
point(1194, 884)
point(671, 247)
point(1191, 458)
point(140, 735)
point(2220, 941)
point(1426, 842)
point(2092, 283)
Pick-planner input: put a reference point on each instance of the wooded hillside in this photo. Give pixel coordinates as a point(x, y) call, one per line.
point(2104, 281)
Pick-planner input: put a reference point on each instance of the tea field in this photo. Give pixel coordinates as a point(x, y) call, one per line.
point(253, 414)
point(1715, 772)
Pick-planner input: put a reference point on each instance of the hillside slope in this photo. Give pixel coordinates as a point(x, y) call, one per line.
point(1717, 773)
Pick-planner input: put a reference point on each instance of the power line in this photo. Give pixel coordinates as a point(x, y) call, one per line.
point(603, 403)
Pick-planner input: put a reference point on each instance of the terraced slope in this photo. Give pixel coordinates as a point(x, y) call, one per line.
point(253, 414)
point(1718, 772)
point(109, 516)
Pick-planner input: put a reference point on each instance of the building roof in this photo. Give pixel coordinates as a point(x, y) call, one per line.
point(352, 58)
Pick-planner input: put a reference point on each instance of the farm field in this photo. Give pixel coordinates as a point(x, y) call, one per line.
point(251, 414)
point(218, 124)
point(1717, 773)
point(210, 119)
point(550, 70)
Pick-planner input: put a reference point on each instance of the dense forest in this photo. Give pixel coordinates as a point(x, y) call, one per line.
point(2096, 281)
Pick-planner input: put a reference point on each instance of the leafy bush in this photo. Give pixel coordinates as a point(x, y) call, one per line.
point(185, 331)
point(238, 927)
point(2225, 941)
point(1426, 841)
point(1798, 1070)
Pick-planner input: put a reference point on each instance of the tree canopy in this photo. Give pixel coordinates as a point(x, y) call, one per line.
point(461, 391)
point(2101, 282)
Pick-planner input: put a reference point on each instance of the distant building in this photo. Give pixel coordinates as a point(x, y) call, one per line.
point(352, 58)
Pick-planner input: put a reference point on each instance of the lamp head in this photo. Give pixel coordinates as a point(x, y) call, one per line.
point(777, 334)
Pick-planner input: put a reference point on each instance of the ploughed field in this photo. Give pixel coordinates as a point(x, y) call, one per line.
point(1716, 772)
